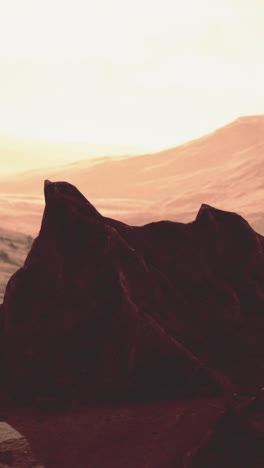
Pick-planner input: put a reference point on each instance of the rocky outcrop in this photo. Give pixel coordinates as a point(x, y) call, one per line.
point(15, 451)
point(106, 310)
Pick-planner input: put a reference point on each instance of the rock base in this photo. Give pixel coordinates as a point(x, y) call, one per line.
point(15, 451)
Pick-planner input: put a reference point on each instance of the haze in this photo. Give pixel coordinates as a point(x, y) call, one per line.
point(146, 74)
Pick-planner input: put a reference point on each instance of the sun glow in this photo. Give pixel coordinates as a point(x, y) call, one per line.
point(146, 74)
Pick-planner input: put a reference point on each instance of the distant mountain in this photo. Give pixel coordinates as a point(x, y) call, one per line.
point(105, 310)
point(224, 169)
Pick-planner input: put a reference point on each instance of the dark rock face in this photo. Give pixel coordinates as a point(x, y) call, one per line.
point(105, 310)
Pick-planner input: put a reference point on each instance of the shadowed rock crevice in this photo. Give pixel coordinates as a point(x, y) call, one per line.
point(106, 310)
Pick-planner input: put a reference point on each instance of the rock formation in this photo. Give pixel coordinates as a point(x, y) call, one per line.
point(15, 451)
point(103, 310)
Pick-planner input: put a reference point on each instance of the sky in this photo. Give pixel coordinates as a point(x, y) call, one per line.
point(148, 74)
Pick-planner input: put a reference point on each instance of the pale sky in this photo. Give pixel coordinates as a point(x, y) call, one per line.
point(144, 73)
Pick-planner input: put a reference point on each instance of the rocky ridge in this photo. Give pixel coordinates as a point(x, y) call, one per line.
point(108, 311)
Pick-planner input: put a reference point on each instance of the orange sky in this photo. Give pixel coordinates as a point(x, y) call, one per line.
point(149, 74)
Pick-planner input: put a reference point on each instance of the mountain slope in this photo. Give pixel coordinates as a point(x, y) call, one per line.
point(224, 169)
point(18, 153)
point(107, 310)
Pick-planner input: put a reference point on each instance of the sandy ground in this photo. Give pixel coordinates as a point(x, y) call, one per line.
point(138, 435)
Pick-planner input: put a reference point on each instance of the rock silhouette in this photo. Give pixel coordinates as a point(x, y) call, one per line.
point(106, 311)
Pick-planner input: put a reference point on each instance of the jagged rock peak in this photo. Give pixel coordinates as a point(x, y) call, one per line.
point(63, 191)
point(103, 308)
point(212, 214)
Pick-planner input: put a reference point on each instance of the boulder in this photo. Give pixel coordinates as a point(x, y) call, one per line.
point(106, 311)
point(15, 450)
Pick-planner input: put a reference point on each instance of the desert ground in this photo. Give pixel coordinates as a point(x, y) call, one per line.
point(153, 434)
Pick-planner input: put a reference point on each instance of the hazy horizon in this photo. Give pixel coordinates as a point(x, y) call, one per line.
point(21, 153)
point(149, 75)
point(34, 153)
